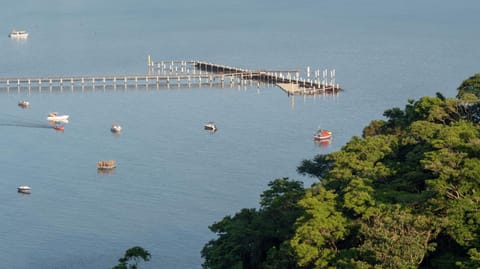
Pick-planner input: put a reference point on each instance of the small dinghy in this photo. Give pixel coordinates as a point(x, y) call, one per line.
point(210, 126)
point(116, 128)
point(106, 165)
point(59, 128)
point(23, 104)
point(24, 189)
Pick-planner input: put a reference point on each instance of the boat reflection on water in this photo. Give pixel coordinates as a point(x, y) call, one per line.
point(323, 143)
point(107, 172)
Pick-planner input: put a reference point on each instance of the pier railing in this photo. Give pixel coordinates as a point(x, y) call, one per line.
point(188, 74)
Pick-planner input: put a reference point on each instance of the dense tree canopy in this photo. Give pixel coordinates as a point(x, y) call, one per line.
point(404, 195)
point(470, 86)
point(258, 238)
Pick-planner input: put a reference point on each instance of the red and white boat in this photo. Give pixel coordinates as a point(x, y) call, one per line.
point(322, 135)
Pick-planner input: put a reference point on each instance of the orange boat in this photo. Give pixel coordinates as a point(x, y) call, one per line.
point(59, 127)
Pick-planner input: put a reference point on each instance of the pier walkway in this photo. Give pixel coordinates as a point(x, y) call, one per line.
point(188, 74)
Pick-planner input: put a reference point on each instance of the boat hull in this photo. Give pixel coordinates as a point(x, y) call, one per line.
point(116, 129)
point(106, 165)
point(24, 189)
point(322, 138)
point(58, 118)
point(210, 127)
point(18, 36)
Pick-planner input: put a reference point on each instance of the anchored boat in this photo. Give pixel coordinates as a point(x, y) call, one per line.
point(322, 135)
point(210, 126)
point(106, 165)
point(23, 103)
point(59, 128)
point(18, 34)
point(24, 189)
point(116, 128)
point(53, 116)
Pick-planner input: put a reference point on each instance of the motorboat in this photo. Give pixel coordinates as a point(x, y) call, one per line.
point(24, 189)
point(53, 116)
point(59, 128)
point(322, 135)
point(18, 34)
point(210, 126)
point(23, 103)
point(116, 128)
point(106, 165)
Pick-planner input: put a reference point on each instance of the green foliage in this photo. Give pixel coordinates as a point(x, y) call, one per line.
point(396, 238)
point(131, 258)
point(404, 196)
point(319, 228)
point(473, 261)
point(318, 167)
point(375, 127)
point(256, 238)
point(470, 85)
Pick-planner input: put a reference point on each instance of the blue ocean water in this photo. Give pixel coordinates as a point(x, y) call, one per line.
point(174, 179)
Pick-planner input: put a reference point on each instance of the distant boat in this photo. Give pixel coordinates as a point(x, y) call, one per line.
point(322, 135)
point(210, 126)
point(53, 116)
point(109, 164)
point(59, 128)
point(18, 34)
point(24, 103)
point(116, 128)
point(24, 189)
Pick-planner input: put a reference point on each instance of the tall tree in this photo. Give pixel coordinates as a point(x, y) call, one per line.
point(257, 238)
point(131, 258)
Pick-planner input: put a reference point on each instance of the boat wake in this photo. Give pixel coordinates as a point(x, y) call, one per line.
point(26, 125)
point(16, 121)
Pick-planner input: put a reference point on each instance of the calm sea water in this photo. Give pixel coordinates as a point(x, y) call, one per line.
point(173, 178)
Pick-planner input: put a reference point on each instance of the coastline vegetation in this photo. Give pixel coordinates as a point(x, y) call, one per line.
point(132, 257)
point(404, 195)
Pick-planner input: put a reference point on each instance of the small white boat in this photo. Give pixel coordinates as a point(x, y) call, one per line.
point(53, 116)
point(116, 128)
point(23, 103)
point(24, 189)
point(18, 34)
point(210, 126)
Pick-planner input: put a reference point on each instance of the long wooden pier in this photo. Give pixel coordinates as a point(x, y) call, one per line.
point(188, 74)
